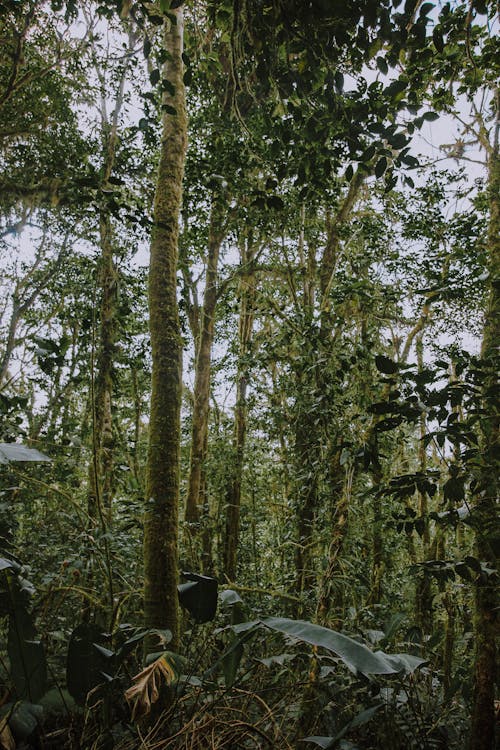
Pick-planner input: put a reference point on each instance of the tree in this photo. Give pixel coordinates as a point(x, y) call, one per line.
point(162, 473)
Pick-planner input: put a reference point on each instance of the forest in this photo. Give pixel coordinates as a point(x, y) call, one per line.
point(249, 328)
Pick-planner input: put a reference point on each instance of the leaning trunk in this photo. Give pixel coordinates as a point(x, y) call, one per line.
point(162, 471)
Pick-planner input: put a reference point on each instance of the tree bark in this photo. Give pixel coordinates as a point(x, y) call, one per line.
point(486, 505)
point(162, 471)
point(247, 288)
point(199, 432)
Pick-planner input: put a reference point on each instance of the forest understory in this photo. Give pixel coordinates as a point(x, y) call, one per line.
point(249, 413)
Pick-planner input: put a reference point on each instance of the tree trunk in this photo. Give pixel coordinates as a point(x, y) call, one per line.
point(247, 288)
point(101, 466)
point(201, 397)
point(162, 471)
point(485, 510)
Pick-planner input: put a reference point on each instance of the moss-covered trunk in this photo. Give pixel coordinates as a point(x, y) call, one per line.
point(162, 471)
point(486, 505)
point(101, 466)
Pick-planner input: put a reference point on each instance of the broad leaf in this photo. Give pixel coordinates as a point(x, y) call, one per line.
point(13, 452)
point(199, 596)
point(385, 365)
point(355, 655)
point(85, 663)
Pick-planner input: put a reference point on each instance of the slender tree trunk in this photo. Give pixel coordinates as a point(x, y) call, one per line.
point(327, 598)
point(101, 467)
point(307, 440)
point(486, 504)
point(162, 472)
point(196, 492)
point(423, 593)
point(247, 288)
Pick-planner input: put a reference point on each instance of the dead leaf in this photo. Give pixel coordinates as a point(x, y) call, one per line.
point(6, 738)
point(146, 688)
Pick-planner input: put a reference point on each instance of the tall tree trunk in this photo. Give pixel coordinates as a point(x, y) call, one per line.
point(247, 288)
point(486, 505)
point(101, 466)
point(162, 471)
point(201, 397)
point(423, 593)
point(308, 440)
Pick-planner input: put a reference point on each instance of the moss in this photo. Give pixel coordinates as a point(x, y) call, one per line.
point(162, 472)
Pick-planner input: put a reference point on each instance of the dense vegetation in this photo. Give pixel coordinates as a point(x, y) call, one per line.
point(250, 312)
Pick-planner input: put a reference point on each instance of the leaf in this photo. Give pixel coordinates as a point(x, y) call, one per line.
point(146, 688)
point(406, 663)
point(168, 109)
point(6, 739)
point(380, 167)
point(146, 48)
point(355, 655)
point(386, 365)
point(437, 38)
point(24, 718)
point(430, 116)
point(27, 656)
point(231, 658)
point(168, 86)
point(85, 663)
point(324, 742)
point(359, 720)
point(382, 65)
point(274, 201)
point(57, 702)
point(395, 88)
point(199, 596)
point(228, 597)
point(20, 453)
point(279, 659)
point(426, 8)
point(6, 564)
point(154, 76)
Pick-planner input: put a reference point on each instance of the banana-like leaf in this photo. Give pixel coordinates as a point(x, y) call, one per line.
point(356, 656)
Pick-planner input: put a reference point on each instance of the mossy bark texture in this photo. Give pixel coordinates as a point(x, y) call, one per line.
point(486, 506)
point(162, 471)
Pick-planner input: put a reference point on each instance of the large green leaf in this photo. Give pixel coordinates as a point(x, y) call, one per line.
point(24, 718)
point(328, 743)
point(28, 665)
point(199, 596)
point(355, 655)
point(87, 661)
point(13, 452)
